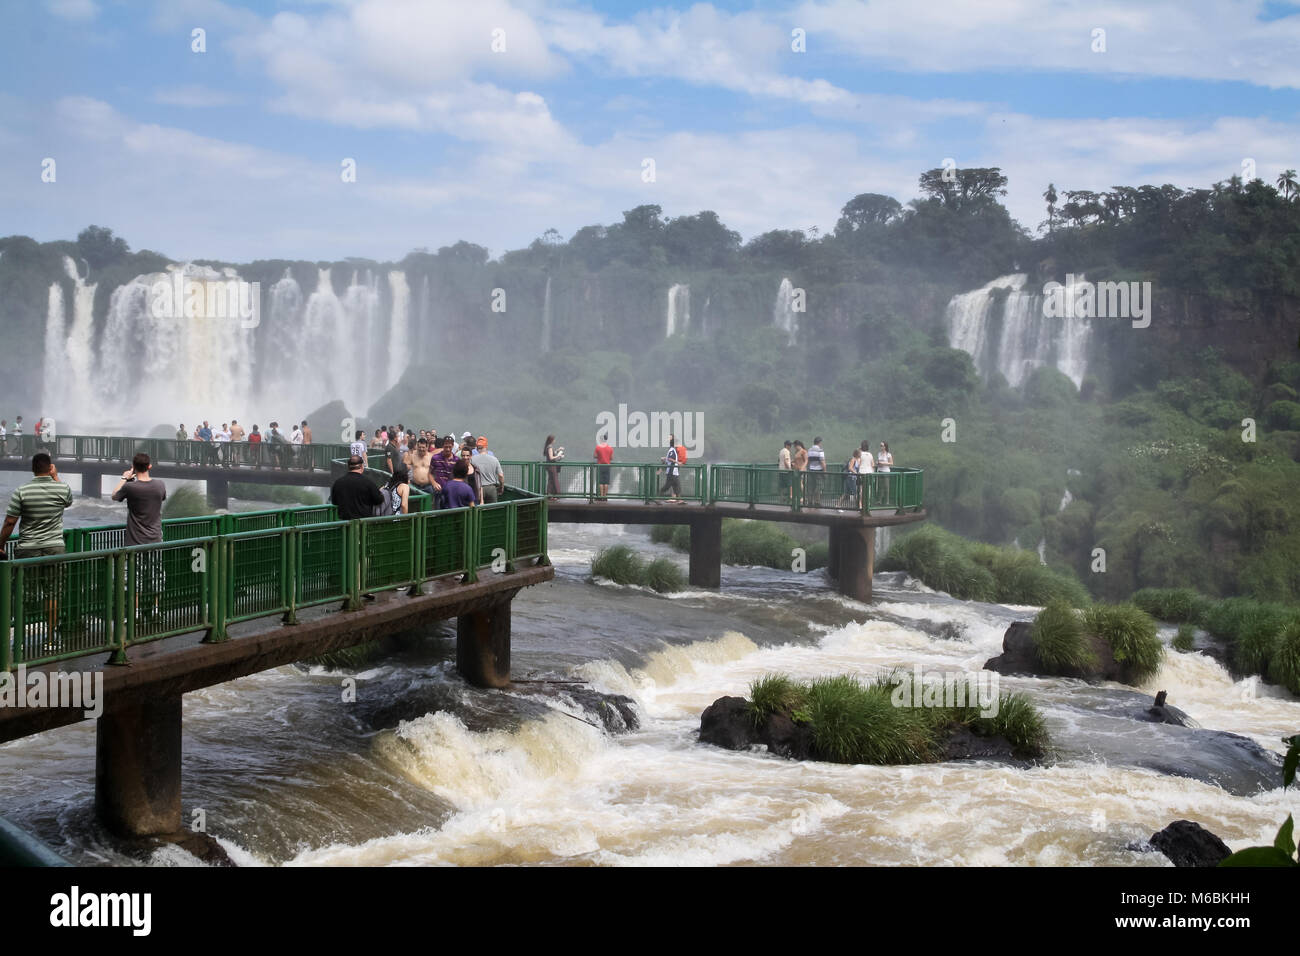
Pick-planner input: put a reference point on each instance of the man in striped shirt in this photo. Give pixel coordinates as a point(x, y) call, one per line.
point(37, 508)
point(39, 505)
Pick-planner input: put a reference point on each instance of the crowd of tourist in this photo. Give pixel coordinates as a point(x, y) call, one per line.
point(805, 465)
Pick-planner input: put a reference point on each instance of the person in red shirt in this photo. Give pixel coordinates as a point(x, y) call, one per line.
point(604, 455)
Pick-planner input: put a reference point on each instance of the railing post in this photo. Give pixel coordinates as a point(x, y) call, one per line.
point(216, 552)
point(115, 572)
point(512, 536)
point(289, 573)
point(353, 572)
point(421, 523)
point(543, 559)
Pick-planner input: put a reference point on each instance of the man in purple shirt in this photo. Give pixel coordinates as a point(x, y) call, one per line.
point(457, 491)
point(442, 467)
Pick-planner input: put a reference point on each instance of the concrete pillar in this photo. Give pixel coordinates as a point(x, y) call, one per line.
point(92, 484)
point(834, 543)
point(706, 552)
point(138, 768)
point(219, 492)
point(483, 646)
point(857, 562)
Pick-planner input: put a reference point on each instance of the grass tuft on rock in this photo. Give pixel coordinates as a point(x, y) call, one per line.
point(664, 576)
point(185, 502)
point(1019, 721)
point(622, 565)
point(353, 658)
point(1131, 634)
point(1284, 661)
point(1059, 639)
point(1185, 640)
point(775, 694)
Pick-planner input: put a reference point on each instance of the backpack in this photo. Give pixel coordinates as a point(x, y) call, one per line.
point(392, 504)
point(681, 454)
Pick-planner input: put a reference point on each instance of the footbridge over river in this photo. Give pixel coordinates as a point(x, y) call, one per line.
point(227, 595)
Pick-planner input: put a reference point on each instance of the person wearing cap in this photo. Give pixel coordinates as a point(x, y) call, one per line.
point(491, 476)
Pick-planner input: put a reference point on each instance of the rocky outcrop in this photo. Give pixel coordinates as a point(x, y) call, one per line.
point(1190, 844)
point(1020, 657)
point(1162, 713)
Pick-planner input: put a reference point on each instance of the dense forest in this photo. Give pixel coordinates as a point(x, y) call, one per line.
point(1179, 451)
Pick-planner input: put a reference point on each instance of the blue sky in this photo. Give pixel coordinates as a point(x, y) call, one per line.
point(235, 152)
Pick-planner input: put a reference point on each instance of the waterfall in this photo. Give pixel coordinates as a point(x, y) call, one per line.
point(678, 318)
point(157, 353)
point(1015, 337)
point(1065, 500)
point(884, 537)
point(424, 338)
point(783, 314)
point(546, 317)
point(399, 336)
point(1042, 550)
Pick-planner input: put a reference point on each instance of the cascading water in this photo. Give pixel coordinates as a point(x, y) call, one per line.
point(1014, 336)
point(156, 349)
point(678, 313)
point(546, 317)
point(783, 313)
point(399, 336)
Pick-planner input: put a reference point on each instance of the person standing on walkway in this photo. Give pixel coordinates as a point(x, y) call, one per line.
point(884, 461)
point(604, 455)
point(237, 435)
point(551, 454)
point(457, 491)
point(491, 476)
point(355, 495)
point(295, 439)
point(420, 462)
point(443, 467)
point(144, 496)
point(817, 468)
point(672, 481)
point(37, 509)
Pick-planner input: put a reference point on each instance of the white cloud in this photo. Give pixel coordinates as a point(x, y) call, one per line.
point(73, 9)
point(196, 97)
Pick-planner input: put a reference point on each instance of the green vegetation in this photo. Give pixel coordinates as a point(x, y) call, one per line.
point(1059, 639)
point(751, 543)
point(1176, 605)
point(1185, 639)
point(775, 693)
point(980, 572)
point(664, 576)
point(856, 722)
point(1131, 634)
point(622, 565)
point(276, 494)
point(185, 502)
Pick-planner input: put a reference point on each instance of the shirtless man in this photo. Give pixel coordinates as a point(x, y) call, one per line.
point(418, 462)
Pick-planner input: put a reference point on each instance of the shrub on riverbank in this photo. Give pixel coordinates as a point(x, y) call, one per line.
point(275, 494)
point(753, 543)
point(972, 571)
point(622, 565)
point(1185, 639)
point(1176, 605)
point(852, 721)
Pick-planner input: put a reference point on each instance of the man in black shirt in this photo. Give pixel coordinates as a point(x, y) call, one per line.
point(354, 494)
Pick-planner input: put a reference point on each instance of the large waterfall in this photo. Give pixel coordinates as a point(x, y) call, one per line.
point(154, 358)
point(783, 311)
point(678, 312)
point(1003, 327)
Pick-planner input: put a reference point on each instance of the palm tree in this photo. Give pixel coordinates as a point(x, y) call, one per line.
point(1288, 184)
point(1051, 197)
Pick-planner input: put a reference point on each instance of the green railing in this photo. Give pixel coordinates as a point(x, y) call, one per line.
point(119, 451)
point(899, 490)
point(244, 566)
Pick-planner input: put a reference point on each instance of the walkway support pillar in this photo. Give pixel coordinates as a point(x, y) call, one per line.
point(92, 484)
point(483, 646)
point(833, 545)
point(138, 767)
point(219, 492)
point(857, 559)
point(706, 552)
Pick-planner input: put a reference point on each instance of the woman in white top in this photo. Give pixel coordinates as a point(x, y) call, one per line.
point(884, 461)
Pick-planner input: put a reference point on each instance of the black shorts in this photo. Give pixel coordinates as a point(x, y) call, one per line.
point(602, 475)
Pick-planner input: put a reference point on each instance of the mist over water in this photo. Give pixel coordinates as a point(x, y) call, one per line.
point(424, 769)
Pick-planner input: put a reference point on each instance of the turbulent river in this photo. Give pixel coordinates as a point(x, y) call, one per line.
point(422, 769)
